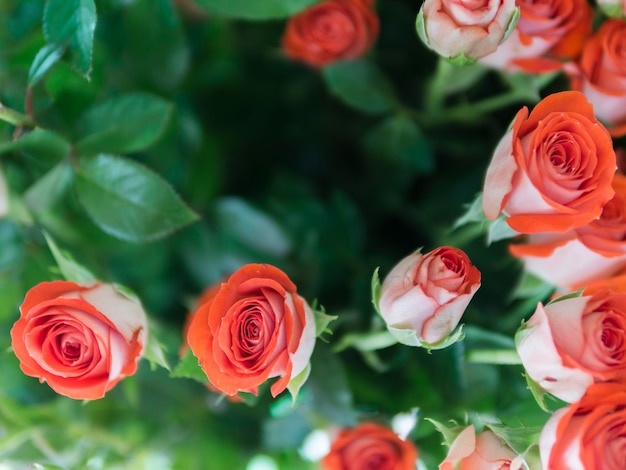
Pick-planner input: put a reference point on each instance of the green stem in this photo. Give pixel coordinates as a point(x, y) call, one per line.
point(13, 117)
point(436, 91)
point(471, 111)
point(493, 356)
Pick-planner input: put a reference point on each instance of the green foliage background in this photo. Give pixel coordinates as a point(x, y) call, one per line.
point(163, 145)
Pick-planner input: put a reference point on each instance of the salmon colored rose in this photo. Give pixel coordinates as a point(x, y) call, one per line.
point(582, 255)
point(424, 296)
point(465, 29)
point(571, 343)
point(616, 283)
point(552, 171)
point(589, 434)
point(330, 31)
point(547, 33)
point(485, 451)
point(372, 446)
point(601, 74)
point(81, 340)
point(255, 327)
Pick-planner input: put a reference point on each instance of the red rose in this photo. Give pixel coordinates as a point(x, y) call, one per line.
point(253, 328)
point(330, 31)
point(82, 340)
point(426, 295)
point(553, 170)
point(370, 446)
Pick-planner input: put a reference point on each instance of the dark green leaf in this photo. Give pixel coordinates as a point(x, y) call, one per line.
point(72, 22)
point(41, 143)
point(398, 139)
point(360, 84)
point(46, 58)
point(126, 123)
point(127, 200)
point(255, 10)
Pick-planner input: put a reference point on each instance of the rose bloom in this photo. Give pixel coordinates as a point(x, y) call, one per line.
point(483, 452)
point(589, 434)
point(586, 254)
point(427, 294)
point(372, 446)
point(547, 33)
point(255, 327)
point(465, 28)
point(552, 171)
point(330, 31)
point(601, 74)
point(571, 343)
point(81, 340)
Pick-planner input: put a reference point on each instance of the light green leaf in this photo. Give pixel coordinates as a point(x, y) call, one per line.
point(189, 368)
point(72, 22)
point(322, 320)
point(360, 84)
point(123, 124)
point(49, 188)
point(369, 341)
point(500, 230)
point(397, 139)
point(41, 143)
point(127, 200)
point(519, 439)
point(449, 433)
point(375, 289)
point(46, 58)
point(570, 295)
point(70, 269)
point(255, 10)
point(154, 351)
point(297, 382)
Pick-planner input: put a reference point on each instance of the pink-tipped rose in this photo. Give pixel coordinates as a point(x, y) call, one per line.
point(485, 451)
point(423, 298)
point(465, 30)
point(601, 74)
point(589, 434)
point(569, 344)
point(552, 171)
point(583, 255)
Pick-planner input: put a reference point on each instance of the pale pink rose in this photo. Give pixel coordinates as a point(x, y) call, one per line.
point(426, 295)
point(582, 255)
point(588, 434)
point(569, 344)
point(601, 74)
point(467, 29)
point(483, 452)
point(547, 33)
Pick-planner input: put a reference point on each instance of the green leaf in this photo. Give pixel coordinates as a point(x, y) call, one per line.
point(360, 84)
point(123, 124)
point(570, 295)
point(70, 269)
point(397, 139)
point(519, 439)
point(255, 10)
point(189, 368)
point(322, 320)
point(297, 382)
point(375, 289)
point(500, 230)
point(72, 22)
point(127, 200)
point(449, 433)
point(154, 352)
point(41, 143)
point(46, 58)
point(369, 341)
point(531, 286)
point(49, 188)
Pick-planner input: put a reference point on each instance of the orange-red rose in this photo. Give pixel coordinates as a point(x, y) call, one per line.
point(590, 434)
point(81, 340)
point(370, 445)
point(426, 295)
point(601, 74)
point(330, 31)
point(253, 328)
point(553, 170)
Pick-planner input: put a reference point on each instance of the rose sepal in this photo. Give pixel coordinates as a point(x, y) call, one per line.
point(409, 337)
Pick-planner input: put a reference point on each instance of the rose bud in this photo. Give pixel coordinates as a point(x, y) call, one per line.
point(81, 340)
point(485, 451)
point(571, 343)
point(255, 327)
point(588, 434)
point(426, 295)
point(370, 445)
point(546, 34)
point(466, 30)
point(582, 255)
point(601, 75)
point(330, 31)
point(552, 171)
